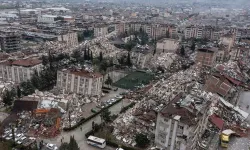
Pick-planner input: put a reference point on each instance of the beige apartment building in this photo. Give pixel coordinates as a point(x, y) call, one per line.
point(80, 82)
point(167, 45)
point(101, 30)
point(19, 70)
point(70, 39)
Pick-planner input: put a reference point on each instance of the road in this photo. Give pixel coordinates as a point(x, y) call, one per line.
point(79, 135)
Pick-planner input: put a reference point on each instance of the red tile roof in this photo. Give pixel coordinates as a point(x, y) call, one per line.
point(218, 84)
point(22, 62)
point(217, 121)
point(172, 110)
point(27, 62)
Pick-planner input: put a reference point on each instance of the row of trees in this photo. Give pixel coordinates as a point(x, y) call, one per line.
point(72, 145)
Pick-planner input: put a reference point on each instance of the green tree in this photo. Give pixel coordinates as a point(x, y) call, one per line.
point(100, 57)
point(182, 51)
point(129, 62)
point(27, 88)
point(91, 56)
point(77, 55)
point(18, 91)
point(80, 37)
point(109, 81)
point(192, 46)
point(73, 144)
point(8, 98)
point(106, 116)
point(141, 140)
point(35, 80)
point(64, 146)
point(167, 34)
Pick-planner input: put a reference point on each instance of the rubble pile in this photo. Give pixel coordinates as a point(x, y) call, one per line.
point(164, 60)
point(232, 70)
point(142, 117)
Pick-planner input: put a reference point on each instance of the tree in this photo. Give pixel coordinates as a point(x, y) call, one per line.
point(105, 115)
point(182, 51)
point(91, 56)
point(77, 55)
point(141, 140)
point(167, 34)
point(72, 145)
point(192, 46)
point(27, 88)
point(8, 98)
point(64, 146)
point(129, 63)
point(35, 80)
point(109, 81)
point(100, 57)
point(18, 91)
point(88, 54)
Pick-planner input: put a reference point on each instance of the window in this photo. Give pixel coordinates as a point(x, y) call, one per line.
point(180, 127)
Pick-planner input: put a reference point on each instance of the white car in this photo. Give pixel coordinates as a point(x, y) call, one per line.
point(119, 149)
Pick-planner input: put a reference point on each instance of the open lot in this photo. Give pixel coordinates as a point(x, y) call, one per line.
point(134, 80)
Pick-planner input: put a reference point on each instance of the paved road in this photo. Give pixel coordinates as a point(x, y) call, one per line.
point(80, 134)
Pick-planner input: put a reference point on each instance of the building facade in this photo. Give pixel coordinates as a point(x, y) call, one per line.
point(10, 41)
point(167, 45)
point(70, 39)
point(80, 82)
point(206, 57)
point(154, 31)
point(100, 31)
point(198, 32)
point(19, 70)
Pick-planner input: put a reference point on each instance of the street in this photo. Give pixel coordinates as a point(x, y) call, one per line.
point(79, 135)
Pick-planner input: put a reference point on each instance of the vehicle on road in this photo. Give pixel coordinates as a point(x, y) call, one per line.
point(97, 142)
point(225, 137)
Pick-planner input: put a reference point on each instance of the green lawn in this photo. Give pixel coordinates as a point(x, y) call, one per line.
point(134, 79)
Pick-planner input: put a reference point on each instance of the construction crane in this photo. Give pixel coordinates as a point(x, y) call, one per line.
point(18, 10)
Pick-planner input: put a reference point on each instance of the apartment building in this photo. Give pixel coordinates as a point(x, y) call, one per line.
point(207, 32)
point(10, 41)
point(70, 38)
point(154, 31)
point(180, 124)
point(19, 70)
point(167, 45)
point(80, 81)
point(206, 56)
point(100, 31)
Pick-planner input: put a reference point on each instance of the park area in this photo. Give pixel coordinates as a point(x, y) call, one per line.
point(134, 80)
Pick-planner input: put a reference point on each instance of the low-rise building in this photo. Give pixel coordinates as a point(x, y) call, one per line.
point(80, 81)
point(19, 70)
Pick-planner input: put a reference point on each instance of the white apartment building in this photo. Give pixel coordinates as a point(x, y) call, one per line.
point(46, 19)
point(70, 39)
point(167, 45)
point(100, 31)
point(80, 82)
point(19, 70)
point(153, 30)
point(180, 124)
